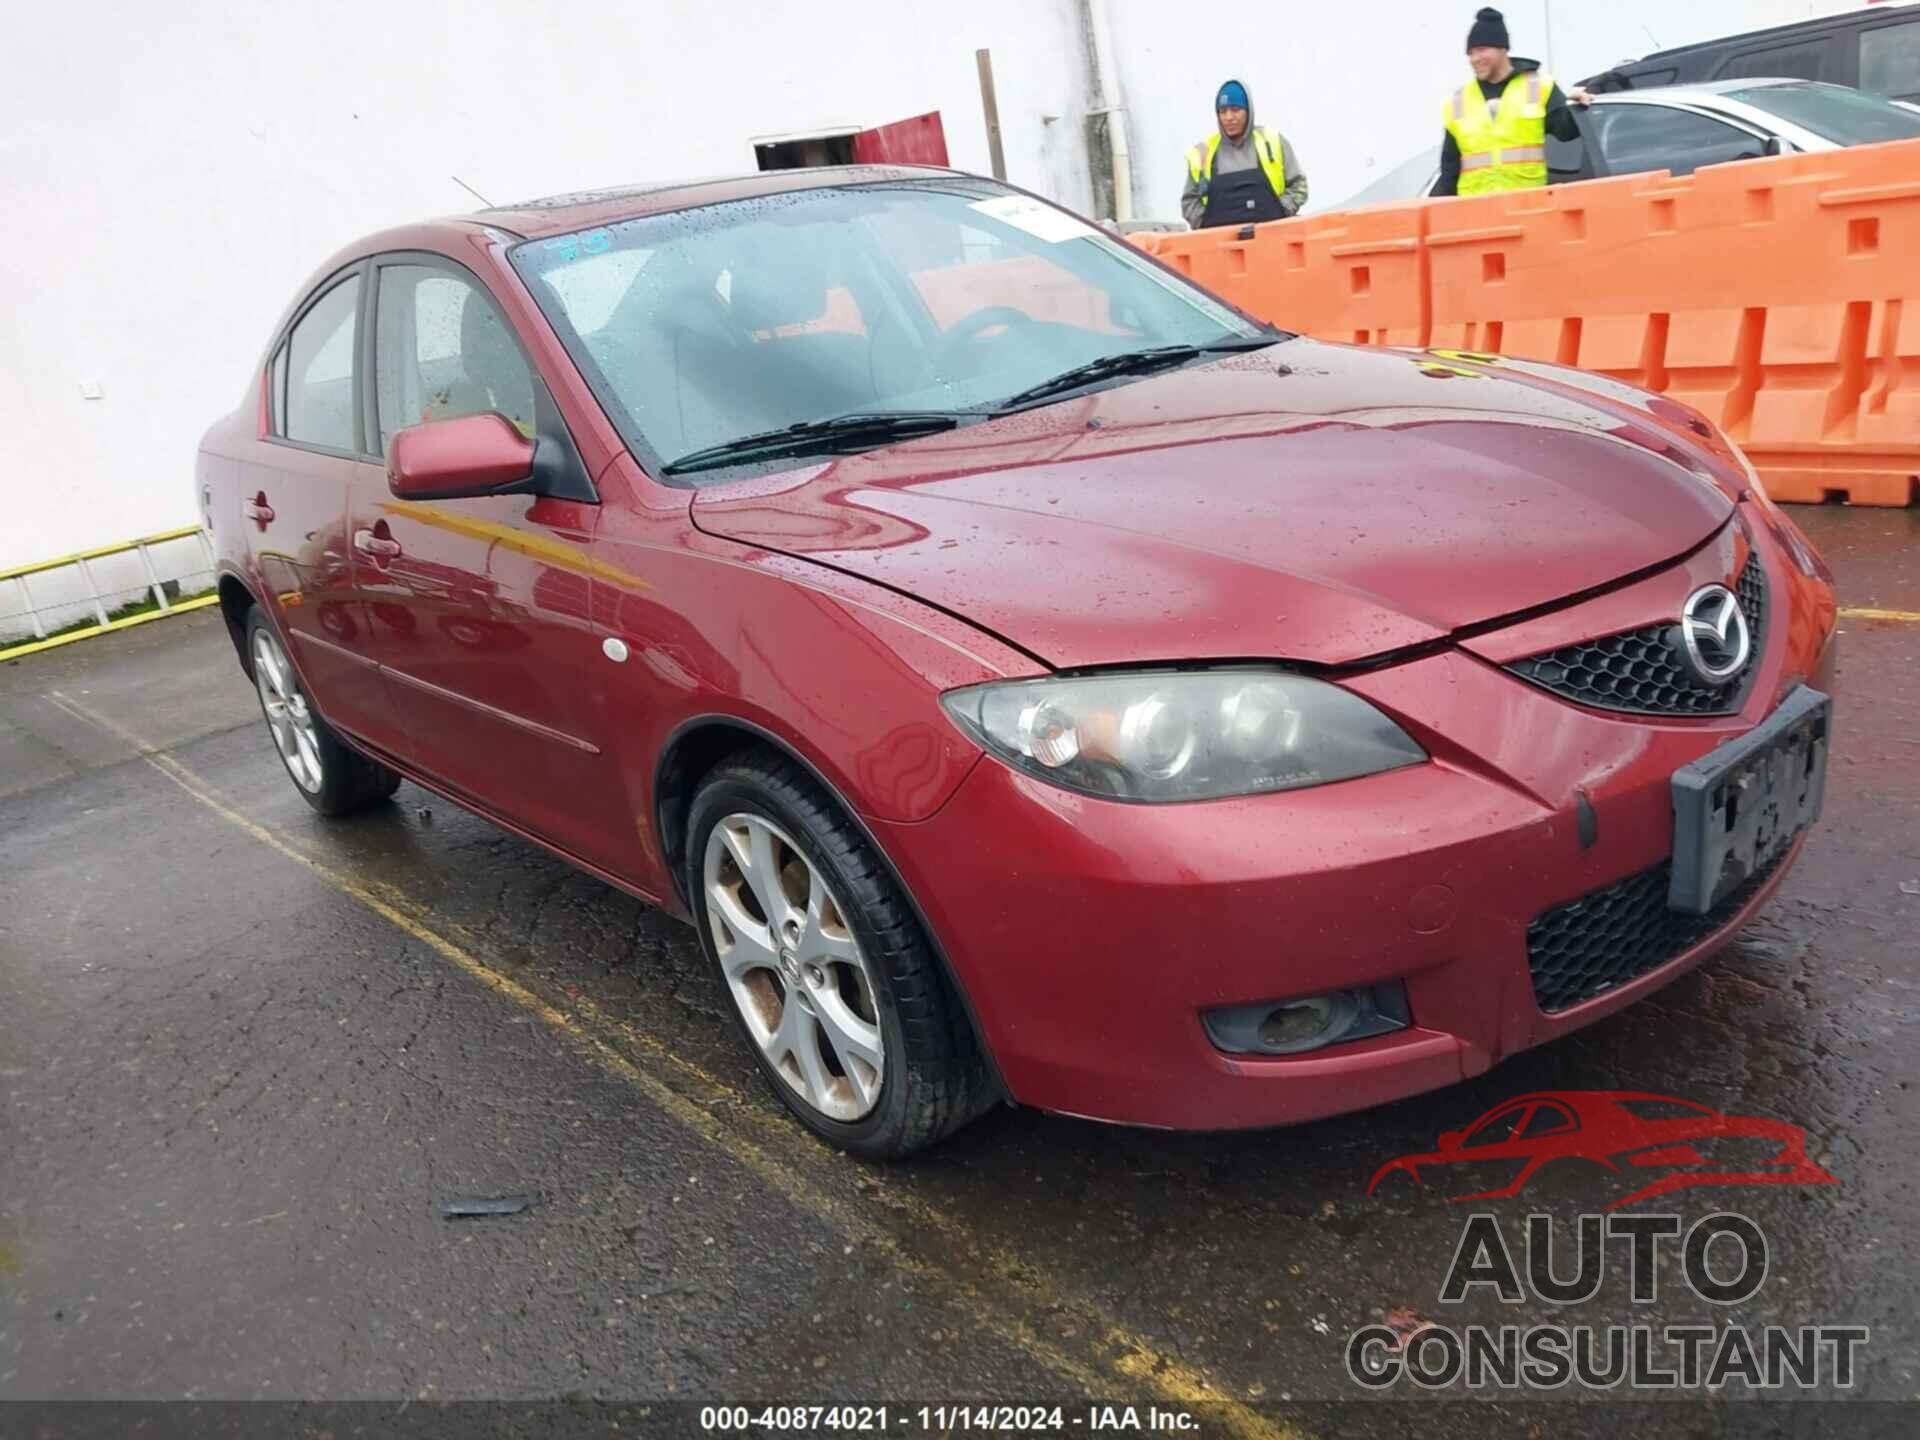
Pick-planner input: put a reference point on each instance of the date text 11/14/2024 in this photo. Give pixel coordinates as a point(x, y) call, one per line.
point(944, 1419)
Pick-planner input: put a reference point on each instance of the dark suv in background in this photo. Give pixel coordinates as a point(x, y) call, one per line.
point(1875, 48)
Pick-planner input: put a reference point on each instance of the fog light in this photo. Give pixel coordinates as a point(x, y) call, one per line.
point(1293, 1027)
point(1306, 1024)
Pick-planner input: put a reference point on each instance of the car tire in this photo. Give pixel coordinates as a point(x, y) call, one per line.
point(327, 773)
point(932, 1079)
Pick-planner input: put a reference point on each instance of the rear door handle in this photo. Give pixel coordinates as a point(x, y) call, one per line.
point(258, 510)
point(378, 546)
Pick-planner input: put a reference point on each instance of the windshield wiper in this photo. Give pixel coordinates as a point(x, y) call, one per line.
point(860, 430)
point(1128, 362)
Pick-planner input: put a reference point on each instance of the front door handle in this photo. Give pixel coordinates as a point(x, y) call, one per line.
point(258, 510)
point(381, 547)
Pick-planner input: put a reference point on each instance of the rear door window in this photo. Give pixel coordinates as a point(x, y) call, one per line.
point(1890, 61)
point(1798, 60)
point(322, 366)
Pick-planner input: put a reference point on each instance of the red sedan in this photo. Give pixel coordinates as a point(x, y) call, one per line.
point(1036, 680)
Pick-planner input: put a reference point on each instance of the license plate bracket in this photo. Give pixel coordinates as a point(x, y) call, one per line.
point(1737, 810)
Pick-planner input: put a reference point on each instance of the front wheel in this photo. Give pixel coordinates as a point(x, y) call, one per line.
point(330, 776)
point(832, 979)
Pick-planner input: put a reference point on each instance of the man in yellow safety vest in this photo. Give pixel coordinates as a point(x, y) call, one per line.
point(1241, 174)
point(1497, 125)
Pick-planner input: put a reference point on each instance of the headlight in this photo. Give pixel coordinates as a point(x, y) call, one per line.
point(1183, 736)
point(1753, 475)
point(1805, 558)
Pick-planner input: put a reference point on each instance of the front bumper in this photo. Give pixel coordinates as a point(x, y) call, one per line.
point(1090, 935)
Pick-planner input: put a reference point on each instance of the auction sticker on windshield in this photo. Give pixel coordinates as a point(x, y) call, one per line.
point(1041, 221)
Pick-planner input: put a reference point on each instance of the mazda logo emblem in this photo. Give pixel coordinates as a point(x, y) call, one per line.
point(1714, 640)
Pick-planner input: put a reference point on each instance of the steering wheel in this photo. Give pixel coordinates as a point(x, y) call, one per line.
point(985, 319)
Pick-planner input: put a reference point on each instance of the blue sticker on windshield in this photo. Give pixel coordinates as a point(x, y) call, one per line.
point(569, 247)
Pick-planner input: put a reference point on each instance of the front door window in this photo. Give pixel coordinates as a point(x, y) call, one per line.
point(444, 351)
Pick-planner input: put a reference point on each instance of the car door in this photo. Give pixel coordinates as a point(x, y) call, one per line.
point(296, 501)
point(478, 607)
point(1636, 137)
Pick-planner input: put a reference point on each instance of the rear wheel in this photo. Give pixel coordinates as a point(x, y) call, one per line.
point(834, 983)
point(331, 776)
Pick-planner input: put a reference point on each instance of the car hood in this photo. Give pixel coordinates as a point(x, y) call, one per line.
point(1312, 502)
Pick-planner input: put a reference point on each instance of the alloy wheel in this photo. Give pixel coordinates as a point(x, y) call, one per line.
point(288, 717)
point(794, 967)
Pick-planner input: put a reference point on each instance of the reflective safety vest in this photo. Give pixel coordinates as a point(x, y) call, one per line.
point(1266, 149)
point(1508, 152)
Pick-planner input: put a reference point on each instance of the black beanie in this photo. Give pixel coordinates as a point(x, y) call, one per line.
point(1489, 28)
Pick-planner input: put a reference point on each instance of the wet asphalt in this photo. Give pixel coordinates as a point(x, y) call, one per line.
point(246, 1053)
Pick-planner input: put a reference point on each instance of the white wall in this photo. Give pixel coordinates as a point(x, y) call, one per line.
point(1357, 87)
point(170, 173)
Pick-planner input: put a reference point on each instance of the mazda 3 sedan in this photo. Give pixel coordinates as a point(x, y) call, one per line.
point(1034, 679)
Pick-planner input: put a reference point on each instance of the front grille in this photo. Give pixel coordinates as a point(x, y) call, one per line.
point(1602, 940)
point(1640, 671)
point(1751, 591)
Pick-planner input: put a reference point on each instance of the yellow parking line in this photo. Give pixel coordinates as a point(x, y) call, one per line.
point(1909, 617)
point(1134, 1356)
point(1127, 1354)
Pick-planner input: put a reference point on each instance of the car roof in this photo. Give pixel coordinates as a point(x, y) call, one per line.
point(1698, 88)
point(579, 210)
point(1782, 32)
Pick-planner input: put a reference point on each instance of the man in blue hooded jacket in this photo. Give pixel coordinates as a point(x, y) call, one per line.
point(1241, 174)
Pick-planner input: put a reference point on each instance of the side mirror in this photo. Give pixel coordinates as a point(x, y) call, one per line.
point(1450, 1140)
point(1774, 146)
point(453, 459)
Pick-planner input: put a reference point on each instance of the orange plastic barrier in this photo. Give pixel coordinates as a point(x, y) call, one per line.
point(1356, 275)
point(1780, 297)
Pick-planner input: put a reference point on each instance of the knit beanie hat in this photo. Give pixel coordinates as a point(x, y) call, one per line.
point(1233, 93)
point(1489, 28)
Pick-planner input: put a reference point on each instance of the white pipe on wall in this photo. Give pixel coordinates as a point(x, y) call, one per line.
point(1106, 99)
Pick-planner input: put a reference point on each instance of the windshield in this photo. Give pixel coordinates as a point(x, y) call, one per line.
point(702, 327)
point(1833, 112)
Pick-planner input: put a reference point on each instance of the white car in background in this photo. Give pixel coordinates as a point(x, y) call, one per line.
point(1683, 127)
